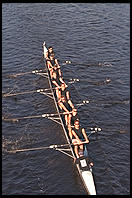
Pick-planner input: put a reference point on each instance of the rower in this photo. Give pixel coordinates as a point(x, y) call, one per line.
point(51, 62)
point(73, 117)
point(64, 91)
point(56, 69)
point(66, 107)
point(77, 135)
point(49, 52)
point(57, 82)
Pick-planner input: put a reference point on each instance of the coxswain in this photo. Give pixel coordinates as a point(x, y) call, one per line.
point(77, 135)
point(66, 107)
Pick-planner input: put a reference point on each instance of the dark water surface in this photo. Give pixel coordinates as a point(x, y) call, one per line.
point(82, 33)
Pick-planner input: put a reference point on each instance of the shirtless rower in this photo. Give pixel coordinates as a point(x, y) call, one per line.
point(57, 70)
point(77, 135)
point(51, 62)
point(64, 91)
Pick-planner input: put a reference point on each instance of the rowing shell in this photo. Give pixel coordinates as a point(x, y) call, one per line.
point(84, 169)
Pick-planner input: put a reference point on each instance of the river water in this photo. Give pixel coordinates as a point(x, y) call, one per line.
point(88, 35)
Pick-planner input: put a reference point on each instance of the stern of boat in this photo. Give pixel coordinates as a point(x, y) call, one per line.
point(87, 177)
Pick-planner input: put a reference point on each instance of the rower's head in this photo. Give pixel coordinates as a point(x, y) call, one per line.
point(52, 56)
point(76, 123)
point(50, 49)
point(74, 111)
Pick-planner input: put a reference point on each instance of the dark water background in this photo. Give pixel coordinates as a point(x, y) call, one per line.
point(83, 33)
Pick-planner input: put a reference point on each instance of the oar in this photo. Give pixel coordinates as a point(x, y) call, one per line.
point(26, 92)
point(104, 103)
point(34, 116)
point(65, 63)
point(30, 72)
point(42, 90)
point(106, 81)
point(96, 63)
point(83, 103)
point(94, 130)
point(54, 146)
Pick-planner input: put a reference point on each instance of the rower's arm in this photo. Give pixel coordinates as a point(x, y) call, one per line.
point(63, 107)
point(56, 61)
point(55, 83)
point(67, 95)
point(85, 135)
point(49, 65)
point(70, 103)
point(47, 55)
point(70, 131)
point(60, 74)
point(62, 80)
point(59, 94)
